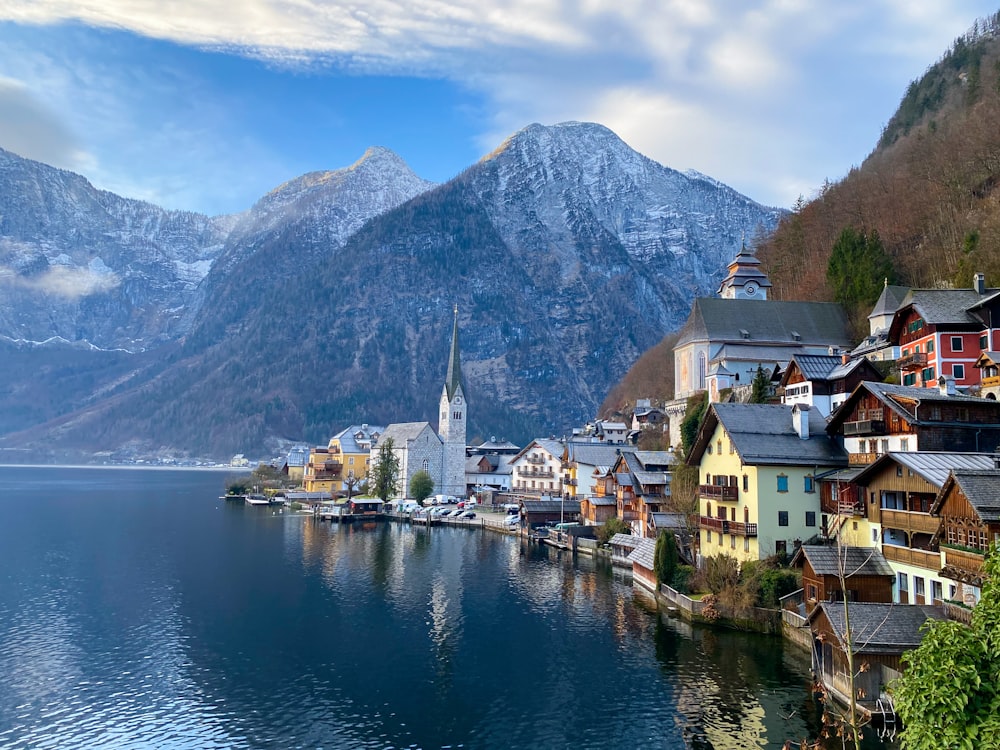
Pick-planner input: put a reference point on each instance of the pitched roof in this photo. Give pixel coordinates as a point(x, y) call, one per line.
point(902, 399)
point(889, 301)
point(453, 381)
point(549, 445)
point(933, 466)
point(816, 366)
point(766, 321)
point(879, 628)
point(624, 540)
point(644, 552)
point(601, 500)
point(348, 441)
point(763, 434)
point(403, 432)
point(648, 459)
point(827, 559)
point(596, 454)
point(567, 507)
point(943, 306)
point(982, 489)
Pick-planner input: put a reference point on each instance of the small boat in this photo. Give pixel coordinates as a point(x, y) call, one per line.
point(232, 496)
point(257, 499)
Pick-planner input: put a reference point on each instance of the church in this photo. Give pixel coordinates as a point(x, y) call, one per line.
point(441, 454)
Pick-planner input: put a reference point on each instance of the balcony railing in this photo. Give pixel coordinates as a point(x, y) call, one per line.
point(535, 459)
point(861, 459)
point(728, 527)
point(966, 560)
point(908, 521)
point(864, 427)
point(991, 381)
point(718, 492)
point(908, 556)
point(915, 361)
point(532, 472)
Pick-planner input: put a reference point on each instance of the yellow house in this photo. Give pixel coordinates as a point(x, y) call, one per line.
point(343, 462)
point(758, 464)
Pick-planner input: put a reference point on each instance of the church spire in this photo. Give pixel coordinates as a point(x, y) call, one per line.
point(454, 380)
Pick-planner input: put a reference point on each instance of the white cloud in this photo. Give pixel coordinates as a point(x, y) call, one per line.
point(62, 281)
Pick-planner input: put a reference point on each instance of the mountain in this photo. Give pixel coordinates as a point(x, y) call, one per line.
point(929, 188)
point(567, 253)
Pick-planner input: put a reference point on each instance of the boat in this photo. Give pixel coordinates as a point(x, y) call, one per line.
point(257, 499)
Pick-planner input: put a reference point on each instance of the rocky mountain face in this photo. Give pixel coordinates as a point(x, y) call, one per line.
point(567, 253)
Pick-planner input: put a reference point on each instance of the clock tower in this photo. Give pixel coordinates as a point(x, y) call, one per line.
point(451, 427)
point(745, 280)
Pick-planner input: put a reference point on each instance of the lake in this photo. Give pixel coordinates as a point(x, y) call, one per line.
point(139, 611)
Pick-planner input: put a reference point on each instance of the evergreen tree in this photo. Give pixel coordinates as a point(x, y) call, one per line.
point(421, 486)
point(760, 388)
point(665, 557)
point(858, 269)
point(384, 473)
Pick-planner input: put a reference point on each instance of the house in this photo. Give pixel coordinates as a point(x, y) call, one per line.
point(645, 416)
point(537, 468)
point(584, 463)
point(895, 495)
point(546, 510)
point(644, 477)
point(879, 417)
point(602, 431)
point(488, 471)
point(642, 557)
point(968, 505)
point(417, 447)
point(880, 634)
point(867, 575)
point(621, 547)
point(758, 465)
point(823, 381)
point(876, 346)
point(942, 332)
point(597, 510)
point(988, 365)
point(343, 463)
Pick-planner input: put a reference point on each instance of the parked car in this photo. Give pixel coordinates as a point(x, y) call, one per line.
point(455, 513)
point(469, 514)
point(513, 520)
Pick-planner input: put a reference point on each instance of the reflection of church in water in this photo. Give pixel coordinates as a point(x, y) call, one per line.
point(727, 337)
point(441, 454)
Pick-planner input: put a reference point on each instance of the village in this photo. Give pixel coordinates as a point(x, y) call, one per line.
point(869, 472)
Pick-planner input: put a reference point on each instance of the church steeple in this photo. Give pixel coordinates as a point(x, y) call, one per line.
point(453, 382)
point(745, 280)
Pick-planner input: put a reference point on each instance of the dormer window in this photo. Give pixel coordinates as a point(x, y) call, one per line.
point(796, 335)
point(744, 333)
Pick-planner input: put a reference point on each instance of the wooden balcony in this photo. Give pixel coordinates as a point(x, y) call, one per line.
point(916, 361)
point(910, 522)
point(728, 527)
point(718, 492)
point(864, 427)
point(963, 560)
point(861, 459)
point(991, 381)
point(908, 556)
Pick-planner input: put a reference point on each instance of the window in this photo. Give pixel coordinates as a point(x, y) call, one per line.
point(746, 544)
point(899, 470)
point(904, 444)
point(710, 449)
point(812, 592)
point(350, 460)
point(956, 343)
point(936, 413)
point(718, 446)
point(732, 541)
point(457, 415)
point(782, 483)
point(809, 484)
point(885, 446)
point(425, 464)
point(746, 483)
point(930, 346)
point(874, 535)
point(918, 586)
point(708, 509)
point(780, 547)
point(910, 378)
point(782, 518)
point(903, 584)
point(958, 372)
point(810, 518)
point(732, 448)
point(983, 342)
point(720, 539)
point(708, 536)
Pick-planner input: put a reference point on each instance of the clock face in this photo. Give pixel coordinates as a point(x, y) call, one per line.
point(750, 288)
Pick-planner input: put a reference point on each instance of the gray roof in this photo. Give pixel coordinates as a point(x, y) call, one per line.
point(944, 306)
point(348, 443)
point(646, 478)
point(602, 500)
point(827, 560)
point(655, 458)
point(889, 301)
point(624, 540)
point(766, 321)
point(453, 380)
point(644, 552)
point(568, 507)
point(403, 432)
point(764, 434)
point(497, 445)
point(982, 488)
point(624, 479)
point(896, 397)
point(669, 521)
point(931, 465)
point(880, 628)
point(596, 454)
point(817, 366)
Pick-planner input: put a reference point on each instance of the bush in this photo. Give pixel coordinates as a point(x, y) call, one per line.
point(683, 577)
point(610, 528)
point(665, 557)
point(721, 572)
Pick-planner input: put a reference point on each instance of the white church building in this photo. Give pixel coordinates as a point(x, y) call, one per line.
point(441, 454)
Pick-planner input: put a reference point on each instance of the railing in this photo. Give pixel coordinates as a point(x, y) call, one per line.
point(966, 560)
point(629, 515)
point(864, 427)
point(913, 361)
point(728, 527)
point(909, 556)
point(535, 459)
point(718, 492)
point(957, 612)
point(910, 521)
point(544, 473)
point(991, 381)
point(861, 459)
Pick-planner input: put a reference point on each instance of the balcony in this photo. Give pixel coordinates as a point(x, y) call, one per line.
point(718, 492)
point(991, 381)
point(861, 459)
point(728, 527)
point(910, 522)
point(535, 473)
point(964, 561)
point(916, 361)
point(864, 427)
point(908, 556)
point(535, 459)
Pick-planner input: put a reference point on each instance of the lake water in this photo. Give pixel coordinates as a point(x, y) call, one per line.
point(139, 611)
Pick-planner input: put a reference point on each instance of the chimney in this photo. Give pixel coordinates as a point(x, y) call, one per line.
point(845, 358)
point(800, 420)
point(946, 385)
point(979, 282)
point(996, 459)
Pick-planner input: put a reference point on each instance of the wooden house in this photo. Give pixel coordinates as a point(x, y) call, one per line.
point(969, 508)
point(642, 557)
point(867, 575)
point(547, 511)
point(597, 510)
point(881, 634)
point(823, 381)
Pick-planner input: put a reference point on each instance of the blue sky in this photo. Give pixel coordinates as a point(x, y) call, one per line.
point(206, 108)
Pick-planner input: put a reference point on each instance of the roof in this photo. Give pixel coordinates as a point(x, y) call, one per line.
point(596, 454)
point(624, 540)
point(763, 434)
point(816, 366)
point(644, 552)
point(623, 479)
point(568, 507)
point(602, 500)
point(646, 478)
point(497, 445)
point(766, 321)
point(981, 488)
point(944, 306)
point(549, 445)
point(649, 459)
point(348, 440)
point(669, 521)
point(826, 560)
point(404, 432)
point(889, 301)
point(902, 399)
point(453, 380)
point(879, 628)
point(932, 466)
